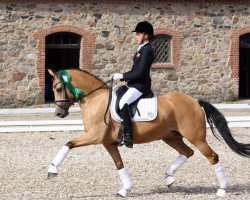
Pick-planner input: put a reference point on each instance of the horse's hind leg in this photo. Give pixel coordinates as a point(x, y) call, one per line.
point(176, 142)
point(213, 158)
point(127, 184)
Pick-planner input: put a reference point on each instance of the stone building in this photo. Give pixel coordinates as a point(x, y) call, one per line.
point(202, 46)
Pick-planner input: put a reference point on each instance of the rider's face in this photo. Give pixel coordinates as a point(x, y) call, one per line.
point(140, 38)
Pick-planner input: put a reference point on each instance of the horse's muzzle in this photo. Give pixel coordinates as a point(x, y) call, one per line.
point(61, 112)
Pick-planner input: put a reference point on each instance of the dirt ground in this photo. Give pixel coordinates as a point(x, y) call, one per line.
point(89, 172)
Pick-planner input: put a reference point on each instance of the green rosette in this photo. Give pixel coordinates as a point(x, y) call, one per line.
point(65, 78)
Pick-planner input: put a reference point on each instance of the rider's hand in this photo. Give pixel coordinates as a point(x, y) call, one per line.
point(117, 76)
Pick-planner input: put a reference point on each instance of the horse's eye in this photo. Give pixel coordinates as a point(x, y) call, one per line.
point(59, 90)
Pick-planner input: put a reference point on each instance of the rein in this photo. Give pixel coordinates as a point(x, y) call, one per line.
point(109, 100)
point(96, 89)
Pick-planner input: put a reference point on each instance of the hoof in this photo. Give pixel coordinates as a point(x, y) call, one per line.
point(170, 180)
point(221, 192)
point(51, 175)
point(119, 195)
point(122, 193)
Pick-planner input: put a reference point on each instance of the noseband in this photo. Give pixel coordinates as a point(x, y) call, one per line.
point(66, 101)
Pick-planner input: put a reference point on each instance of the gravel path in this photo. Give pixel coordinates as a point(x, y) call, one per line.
point(89, 172)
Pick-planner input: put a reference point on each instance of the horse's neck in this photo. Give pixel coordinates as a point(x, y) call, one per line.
point(86, 81)
point(93, 107)
point(93, 104)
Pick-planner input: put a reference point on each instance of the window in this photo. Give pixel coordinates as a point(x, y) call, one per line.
point(162, 47)
point(63, 40)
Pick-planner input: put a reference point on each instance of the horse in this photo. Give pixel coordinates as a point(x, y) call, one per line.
point(179, 116)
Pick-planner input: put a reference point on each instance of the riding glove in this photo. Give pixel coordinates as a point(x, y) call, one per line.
point(117, 76)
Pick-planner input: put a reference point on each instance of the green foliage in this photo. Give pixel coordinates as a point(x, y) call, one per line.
point(231, 96)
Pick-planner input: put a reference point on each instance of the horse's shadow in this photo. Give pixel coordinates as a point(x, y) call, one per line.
point(237, 189)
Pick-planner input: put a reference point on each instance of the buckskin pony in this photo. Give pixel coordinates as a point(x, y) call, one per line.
point(179, 116)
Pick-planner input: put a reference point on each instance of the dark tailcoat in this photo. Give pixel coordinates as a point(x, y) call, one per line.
point(139, 76)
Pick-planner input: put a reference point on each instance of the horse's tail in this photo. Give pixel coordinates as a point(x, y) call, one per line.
point(220, 122)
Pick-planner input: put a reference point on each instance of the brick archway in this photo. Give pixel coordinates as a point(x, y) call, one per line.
point(86, 51)
point(234, 57)
point(175, 48)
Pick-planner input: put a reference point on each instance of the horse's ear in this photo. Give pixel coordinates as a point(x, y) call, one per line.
point(52, 72)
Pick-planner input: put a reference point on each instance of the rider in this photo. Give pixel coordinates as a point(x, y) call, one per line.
point(138, 78)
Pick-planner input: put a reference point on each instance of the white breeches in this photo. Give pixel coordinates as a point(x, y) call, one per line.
point(129, 97)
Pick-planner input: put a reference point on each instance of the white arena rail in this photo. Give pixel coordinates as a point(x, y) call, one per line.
point(77, 125)
point(41, 125)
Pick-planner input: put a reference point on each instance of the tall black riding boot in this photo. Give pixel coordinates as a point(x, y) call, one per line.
point(128, 128)
point(120, 140)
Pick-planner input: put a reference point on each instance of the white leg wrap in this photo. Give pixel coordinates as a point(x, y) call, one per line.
point(221, 192)
point(169, 180)
point(127, 184)
point(60, 156)
point(123, 192)
point(53, 169)
point(180, 160)
point(221, 175)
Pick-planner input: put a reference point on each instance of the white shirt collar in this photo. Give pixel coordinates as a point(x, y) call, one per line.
point(140, 46)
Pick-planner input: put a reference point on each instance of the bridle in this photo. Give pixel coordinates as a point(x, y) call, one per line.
point(67, 102)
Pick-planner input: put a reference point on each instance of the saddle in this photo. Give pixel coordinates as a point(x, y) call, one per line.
point(143, 109)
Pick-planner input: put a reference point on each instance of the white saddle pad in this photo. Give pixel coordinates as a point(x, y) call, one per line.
point(147, 108)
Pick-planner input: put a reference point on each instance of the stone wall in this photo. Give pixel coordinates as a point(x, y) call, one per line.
point(203, 69)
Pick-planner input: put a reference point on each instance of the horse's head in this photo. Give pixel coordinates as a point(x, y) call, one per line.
point(63, 97)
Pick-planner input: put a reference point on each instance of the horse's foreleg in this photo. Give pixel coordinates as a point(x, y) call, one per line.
point(178, 162)
point(57, 161)
point(84, 140)
point(127, 184)
point(185, 152)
